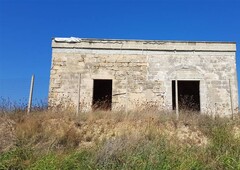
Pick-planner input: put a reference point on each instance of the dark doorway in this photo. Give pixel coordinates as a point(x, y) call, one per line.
point(188, 95)
point(102, 94)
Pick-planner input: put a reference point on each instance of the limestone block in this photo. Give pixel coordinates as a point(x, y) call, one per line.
point(158, 87)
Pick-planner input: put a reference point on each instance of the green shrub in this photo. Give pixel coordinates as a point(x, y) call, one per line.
point(46, 162)
point(78, 160)
point(17, 158)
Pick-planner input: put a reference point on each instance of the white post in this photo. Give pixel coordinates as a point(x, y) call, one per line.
point(176, 98)
point(79, 87)
point(30, 95)
point(230, 91)
point(126, 102)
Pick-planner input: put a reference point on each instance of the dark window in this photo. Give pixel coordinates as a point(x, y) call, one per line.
point(102, 94)
point(188, 95)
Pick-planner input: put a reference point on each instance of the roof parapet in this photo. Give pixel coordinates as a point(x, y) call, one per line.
point(150, 45)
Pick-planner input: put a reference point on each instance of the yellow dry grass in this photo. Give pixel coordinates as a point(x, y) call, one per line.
point(50, 130)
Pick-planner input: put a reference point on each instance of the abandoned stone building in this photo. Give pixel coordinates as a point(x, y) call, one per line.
point(131, 74)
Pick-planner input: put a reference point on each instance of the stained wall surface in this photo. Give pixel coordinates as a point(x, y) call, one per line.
point(142, 72)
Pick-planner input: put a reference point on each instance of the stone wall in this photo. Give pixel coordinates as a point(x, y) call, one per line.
point(142, 72)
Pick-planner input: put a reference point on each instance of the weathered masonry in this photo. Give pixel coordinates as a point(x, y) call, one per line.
point(129, 74)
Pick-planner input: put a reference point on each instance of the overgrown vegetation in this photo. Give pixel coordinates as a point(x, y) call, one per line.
point(108, 140)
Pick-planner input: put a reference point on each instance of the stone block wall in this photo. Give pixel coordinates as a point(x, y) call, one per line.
point(142, 72)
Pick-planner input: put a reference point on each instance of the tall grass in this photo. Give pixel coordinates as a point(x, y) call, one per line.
point(108, 140)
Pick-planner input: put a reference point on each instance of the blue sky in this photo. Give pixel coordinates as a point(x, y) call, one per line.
point(27, 27)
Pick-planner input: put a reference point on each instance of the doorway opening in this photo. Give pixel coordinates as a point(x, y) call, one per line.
point(188, 95)
point(102, 94)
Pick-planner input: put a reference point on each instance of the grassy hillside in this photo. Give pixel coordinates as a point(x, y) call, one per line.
point(118, 140)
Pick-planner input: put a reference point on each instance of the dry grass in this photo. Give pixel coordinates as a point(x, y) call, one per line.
point(119, 140)
point(51, 130)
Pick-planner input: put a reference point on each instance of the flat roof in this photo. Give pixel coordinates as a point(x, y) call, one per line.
point(147, 45)
point(76, 39)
